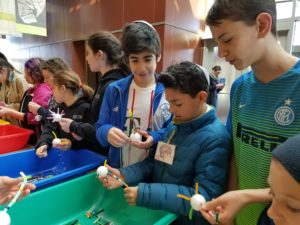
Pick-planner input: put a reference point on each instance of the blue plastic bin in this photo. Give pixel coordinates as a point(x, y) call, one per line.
point(57, 167)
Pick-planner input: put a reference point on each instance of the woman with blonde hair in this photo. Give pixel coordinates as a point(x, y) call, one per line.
point(12, 87)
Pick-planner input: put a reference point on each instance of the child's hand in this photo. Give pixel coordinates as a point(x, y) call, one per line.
point(227, 205)
point(65, 124)
point(117, 138)
point(65, 144)
point(130, 194)
point(2, 103)
point(4, 111)
point(110, 182)
point(33, 107)
point(9, 187)
point(145, 144)
point(41, 152)
point(76, 137)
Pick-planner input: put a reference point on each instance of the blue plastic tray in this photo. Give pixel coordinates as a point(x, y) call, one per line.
point(59, 166)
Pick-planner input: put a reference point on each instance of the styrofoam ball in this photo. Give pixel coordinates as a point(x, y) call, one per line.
point(102, 171)
point(56, 141)
point(57, 117)
point(4, 218)
point(197, 201)
point(38, 117)
point(135, 136)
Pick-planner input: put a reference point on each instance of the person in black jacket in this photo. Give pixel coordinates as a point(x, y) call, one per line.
point(74, 99)
point(104, 55)
point(214, 86)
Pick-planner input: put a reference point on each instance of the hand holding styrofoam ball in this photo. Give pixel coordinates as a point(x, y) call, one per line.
point(197, 201)
point(102, 171)
point(4, 218)
point(56, 141)
point(38, 118)
point(135, 136)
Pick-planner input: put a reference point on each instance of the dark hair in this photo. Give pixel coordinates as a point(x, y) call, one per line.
point(2, 56)
point(241, 10)
point(5, 64)
point(72, 81)
point(55, 64)
point(216, 68)
point(139, 36)
point(33, 66)
point(108, 43)
point(186, 77)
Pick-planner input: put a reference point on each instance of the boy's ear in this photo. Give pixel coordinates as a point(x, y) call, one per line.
point(100, 53)
point(158, 58)
point(264, 24)
point(202, 96)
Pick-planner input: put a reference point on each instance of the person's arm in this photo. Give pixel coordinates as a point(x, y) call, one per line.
point(8, 112)
point(230, 203)
point(103, 125)
point(138, 172)
point(8, 186)
point(41, 97)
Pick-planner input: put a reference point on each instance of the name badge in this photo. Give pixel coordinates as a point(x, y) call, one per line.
point(165, 152)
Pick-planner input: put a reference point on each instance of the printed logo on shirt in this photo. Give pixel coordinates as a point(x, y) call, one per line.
point(284, 115)
point(116, 109)
point(257, 138)
point(77, 117)
point(97, 96)
point(164, 108)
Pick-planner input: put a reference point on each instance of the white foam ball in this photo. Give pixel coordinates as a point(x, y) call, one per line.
point(197, 201)
point(38, 118)
point(135, 136)
point(4, 218)
point(57, 117)
point(56, 141)
point(102, 171)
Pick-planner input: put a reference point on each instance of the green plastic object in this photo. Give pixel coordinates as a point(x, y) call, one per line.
point(68, 202)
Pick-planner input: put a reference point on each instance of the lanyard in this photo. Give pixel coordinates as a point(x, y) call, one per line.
point(171, 136)
point(150, 111)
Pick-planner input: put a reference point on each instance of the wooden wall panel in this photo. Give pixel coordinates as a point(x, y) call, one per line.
point(73, 19)
point(56, 25)
point(137, 9)
point(180, 45)
point(159, 10)
point(111, 15)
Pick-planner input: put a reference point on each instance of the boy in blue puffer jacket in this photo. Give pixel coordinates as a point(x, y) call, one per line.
point(194, 148)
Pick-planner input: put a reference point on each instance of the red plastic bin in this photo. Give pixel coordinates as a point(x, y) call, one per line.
point(13, 138)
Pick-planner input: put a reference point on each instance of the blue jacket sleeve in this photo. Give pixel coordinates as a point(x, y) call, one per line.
point(157, 135)
point(103, 124)
point(141, 171)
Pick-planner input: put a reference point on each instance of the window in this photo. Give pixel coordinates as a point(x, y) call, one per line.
point(296, 38)
point(297, 12)
point(284, 9)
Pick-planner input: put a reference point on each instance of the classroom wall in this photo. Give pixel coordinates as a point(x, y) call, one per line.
point(70, 22)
